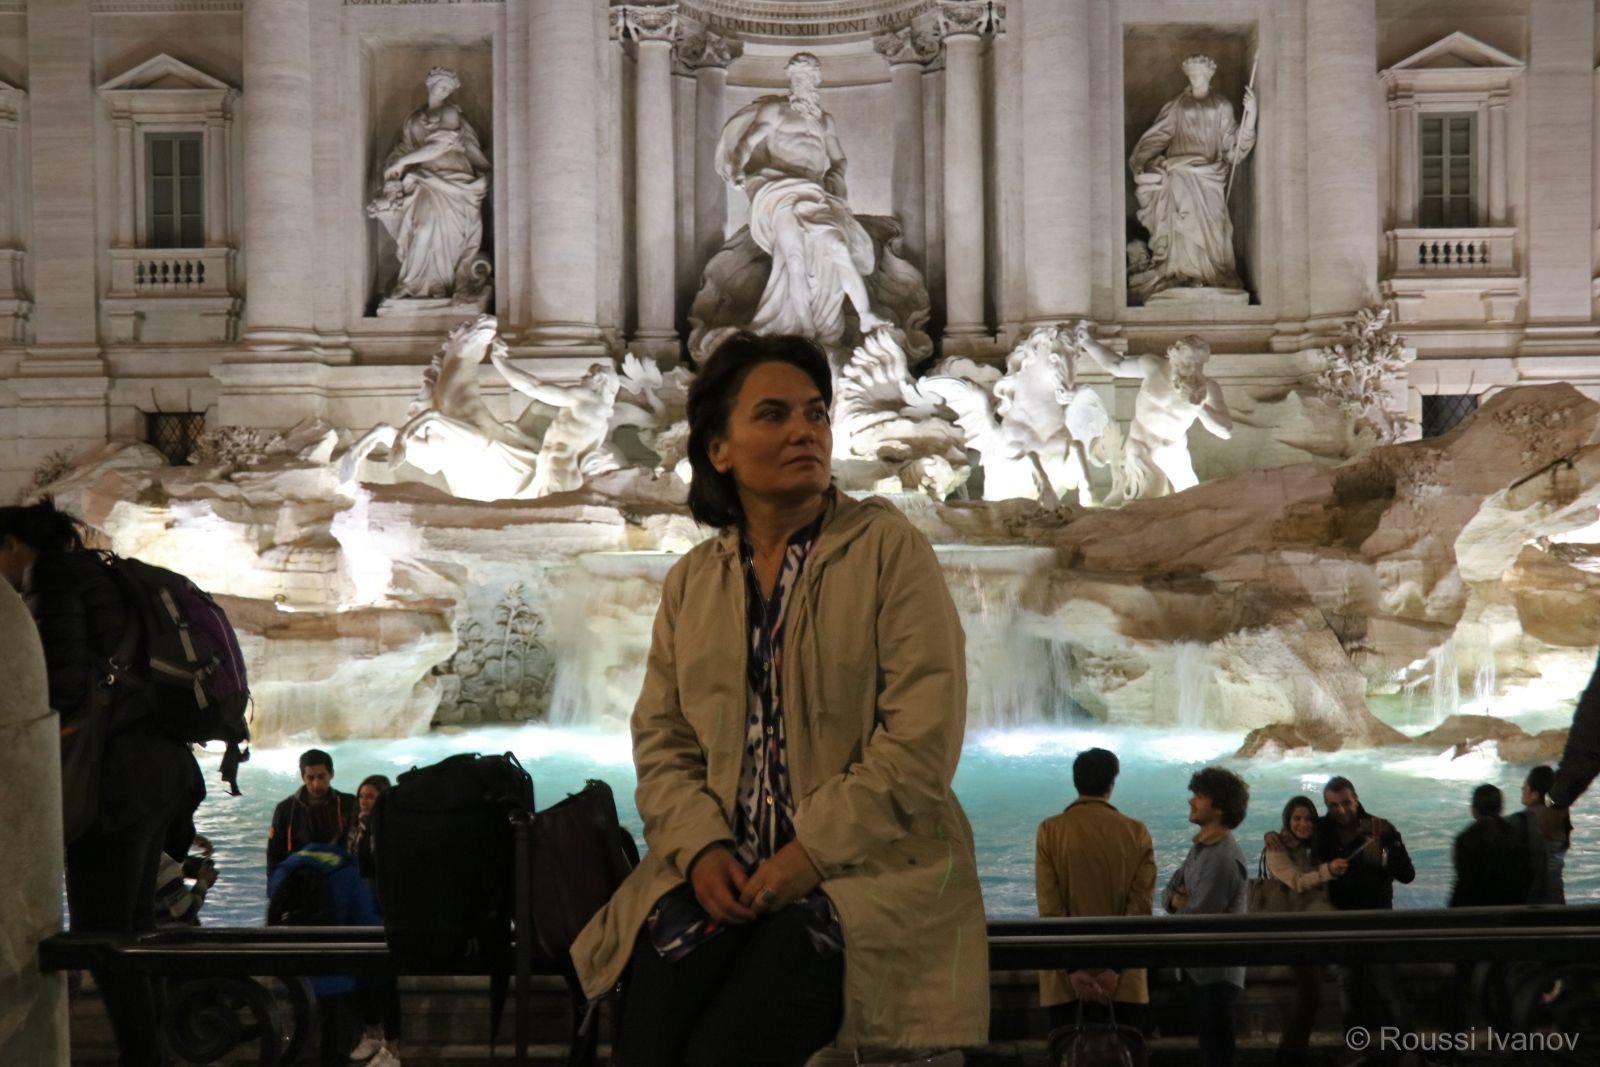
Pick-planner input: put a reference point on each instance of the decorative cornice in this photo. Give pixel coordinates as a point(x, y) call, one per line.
point(699, 47)
point(787, 20)
point(413, 3)
point(164, 7)
point(971, 17)
point(917, 43)
point(639, 22)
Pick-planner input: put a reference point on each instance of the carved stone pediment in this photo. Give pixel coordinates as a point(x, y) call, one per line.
point(1456, 62)
point(164, 72)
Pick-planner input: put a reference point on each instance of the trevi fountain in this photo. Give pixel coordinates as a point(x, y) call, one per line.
point(1184, 507)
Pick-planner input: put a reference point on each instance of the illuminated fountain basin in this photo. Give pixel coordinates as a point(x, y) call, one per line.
point(1008, 781)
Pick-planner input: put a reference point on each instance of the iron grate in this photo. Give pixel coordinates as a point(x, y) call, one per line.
point(174, 433)
point(1443, 412)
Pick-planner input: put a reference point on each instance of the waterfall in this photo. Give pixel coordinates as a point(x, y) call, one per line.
point(1191, 671)
point(1019, 672)
point(1444, 681)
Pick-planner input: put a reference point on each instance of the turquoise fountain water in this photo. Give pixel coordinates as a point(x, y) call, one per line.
point(1008, 780)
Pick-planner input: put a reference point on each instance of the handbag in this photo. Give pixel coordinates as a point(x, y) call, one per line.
point(1096, 1044)
point(1268, 893)
point(578, 856)
point(570, 858)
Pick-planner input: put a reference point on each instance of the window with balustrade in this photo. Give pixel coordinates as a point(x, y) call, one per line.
point(174, 226)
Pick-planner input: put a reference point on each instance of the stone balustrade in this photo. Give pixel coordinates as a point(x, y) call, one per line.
point(171, 271)
point(1475, 251)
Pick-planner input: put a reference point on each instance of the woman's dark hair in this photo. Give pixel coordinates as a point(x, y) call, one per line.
point(380, 782)
point(1227, 792)
point(1288, 813)
point(1541, 778)
point(1094, 772)
point(713, 496)
point(42, 527)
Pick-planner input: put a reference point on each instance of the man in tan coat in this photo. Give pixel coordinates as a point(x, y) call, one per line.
point(1092, 860)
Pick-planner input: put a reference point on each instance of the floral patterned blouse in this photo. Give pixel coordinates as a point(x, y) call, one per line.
point(764, 820)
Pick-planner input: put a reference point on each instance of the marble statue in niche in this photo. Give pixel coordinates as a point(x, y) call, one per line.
point(805, 263)
point(1183, 168)
point(434, 183)
point(1174, 395)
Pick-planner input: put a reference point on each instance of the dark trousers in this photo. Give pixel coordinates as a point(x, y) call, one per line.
point(1369, 995)
point(379, 1001)
point(755, 994)
point(111, 879)
point(1211, 1006)
point(1302, 1017)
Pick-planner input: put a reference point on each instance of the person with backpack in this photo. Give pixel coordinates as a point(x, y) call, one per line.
point(810, 878)
point(316, 813)
point(319, 885)
point(141, 778)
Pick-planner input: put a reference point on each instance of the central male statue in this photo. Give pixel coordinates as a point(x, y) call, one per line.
point(784, 152)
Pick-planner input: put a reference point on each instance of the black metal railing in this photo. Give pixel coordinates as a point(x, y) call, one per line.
point(222, 1003)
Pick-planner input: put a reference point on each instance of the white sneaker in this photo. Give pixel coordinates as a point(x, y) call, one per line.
point(369, 1047)
point(384, 1058)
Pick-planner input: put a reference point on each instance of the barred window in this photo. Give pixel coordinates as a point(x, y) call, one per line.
point(1443, 412)
point(174, 433)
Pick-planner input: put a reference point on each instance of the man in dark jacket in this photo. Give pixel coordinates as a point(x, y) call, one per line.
point(1378, 859)
point(316, 813)
point(1491, 859)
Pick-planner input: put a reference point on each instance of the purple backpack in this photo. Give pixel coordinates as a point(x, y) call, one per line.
point(187, 659)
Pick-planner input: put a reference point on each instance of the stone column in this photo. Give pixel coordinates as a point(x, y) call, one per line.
point(217, 170)
point(1560, 198)
point(10, 100)
point(35, 1023)
point(1057, 160)
point(1342, 126)
point(908, 50)
point(563, 49)
point(964, 23)
point(1403, 114)
point(1498, 149)
point(280, 238)
point(126, 160)
point(655, 238)
point(708, 55)
point(66, 250)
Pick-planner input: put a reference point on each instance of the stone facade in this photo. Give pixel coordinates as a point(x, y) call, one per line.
point(1437, 159)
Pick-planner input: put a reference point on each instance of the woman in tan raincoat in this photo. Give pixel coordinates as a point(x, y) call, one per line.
point(815, 860)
